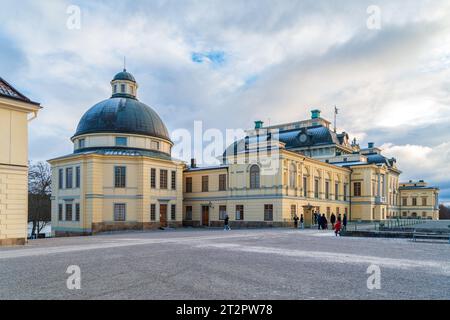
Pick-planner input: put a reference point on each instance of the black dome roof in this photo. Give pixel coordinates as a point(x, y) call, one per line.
point(124, 75)
point(122, 115)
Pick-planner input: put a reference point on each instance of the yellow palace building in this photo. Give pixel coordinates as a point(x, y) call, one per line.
point(121, 175)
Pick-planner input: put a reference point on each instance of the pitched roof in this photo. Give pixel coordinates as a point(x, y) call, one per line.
point(8, 91)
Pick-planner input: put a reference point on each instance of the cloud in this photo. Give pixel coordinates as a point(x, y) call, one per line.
point(230, 63)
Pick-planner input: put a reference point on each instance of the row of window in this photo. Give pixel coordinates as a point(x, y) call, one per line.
point(414, 201)
point(68, 214)
point(119, 142)
point(120, 211)
point(69, 178)
point(120, 178)
point(205, 183)
point(268, 212)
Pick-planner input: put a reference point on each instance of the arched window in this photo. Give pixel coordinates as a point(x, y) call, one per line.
point(254, 177)
point(292, 175)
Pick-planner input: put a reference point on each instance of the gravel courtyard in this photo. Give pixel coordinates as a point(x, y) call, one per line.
point(213, 264)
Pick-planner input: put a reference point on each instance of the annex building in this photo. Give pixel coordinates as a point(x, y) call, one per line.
point(121, 175)
point(16, 110)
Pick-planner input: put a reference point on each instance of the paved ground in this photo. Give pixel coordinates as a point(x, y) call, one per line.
point(213, 264)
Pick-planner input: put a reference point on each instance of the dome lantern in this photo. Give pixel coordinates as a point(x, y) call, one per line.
point(124, 85)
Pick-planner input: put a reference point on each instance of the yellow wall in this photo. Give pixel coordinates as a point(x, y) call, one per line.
point(14, 170)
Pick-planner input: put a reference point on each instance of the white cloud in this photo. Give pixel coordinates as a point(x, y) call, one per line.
point(296, 54)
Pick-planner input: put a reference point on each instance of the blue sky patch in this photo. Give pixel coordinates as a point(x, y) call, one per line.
point(216, 58)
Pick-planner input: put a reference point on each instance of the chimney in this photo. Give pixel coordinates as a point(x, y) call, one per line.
point(370, 145)
point(258, 124)
point(315, 114)
point(193, 163)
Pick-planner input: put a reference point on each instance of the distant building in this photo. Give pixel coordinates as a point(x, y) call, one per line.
point(15, 110)
point(121, 175)
point(418, 200)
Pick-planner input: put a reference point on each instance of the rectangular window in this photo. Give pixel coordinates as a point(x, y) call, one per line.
point(357, 189)
point(205, 182)
point(174, 180)
point(153, 178)
point(77, 177)
point(222, 182)
point(327, 190)
point(122, 88)
point(222, 212)
point(173, 212)
point(163, 179)
point(293, 210)
point(81, 143)
point(60, 178)
point(345, 191)
point(336, 191)
point(121, 141)
point(77, 212)
point(424, 201)
point(188, 212)
point(316, 188)
point(60, 212)
point(68, 212)
point(404, 201)
point(119, 211)
point(268, 212)
point(69, 178)
point(305, 187)
point(153, 212)
point(120, 177)
point(239, 212)
point(189, 184)
point(414, 201)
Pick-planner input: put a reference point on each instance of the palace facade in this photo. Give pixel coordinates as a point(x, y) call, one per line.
point(16, 110)
point(121, 175)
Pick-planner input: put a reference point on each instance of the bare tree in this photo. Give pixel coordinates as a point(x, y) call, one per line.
point(39, 191)
point(444, 212)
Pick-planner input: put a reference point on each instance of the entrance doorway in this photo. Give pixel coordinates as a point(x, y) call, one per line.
point(308, 214)
point(163, 215)
point(205, 216)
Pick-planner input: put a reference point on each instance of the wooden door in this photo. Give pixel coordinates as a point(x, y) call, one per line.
point(163, 215)
point(205, 216)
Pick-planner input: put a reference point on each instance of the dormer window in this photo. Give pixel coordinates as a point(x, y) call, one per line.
point(121, 141)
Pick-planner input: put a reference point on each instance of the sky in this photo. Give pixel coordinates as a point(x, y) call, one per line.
point(229, 63)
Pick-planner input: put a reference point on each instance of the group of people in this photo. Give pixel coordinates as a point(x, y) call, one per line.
point(322, 222)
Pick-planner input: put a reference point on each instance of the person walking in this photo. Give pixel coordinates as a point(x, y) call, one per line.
point(226, 225)
point(324, 222)
point(295, 222)
point(302, 226)
point(344, 222)
point(337, 228)
point(319, 221)
point(332, 220)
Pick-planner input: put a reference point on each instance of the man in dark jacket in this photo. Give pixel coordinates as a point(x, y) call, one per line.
point(332, 220)
point(295, 222)
point(225, 223)
point(324, 222)
point(319, 221)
